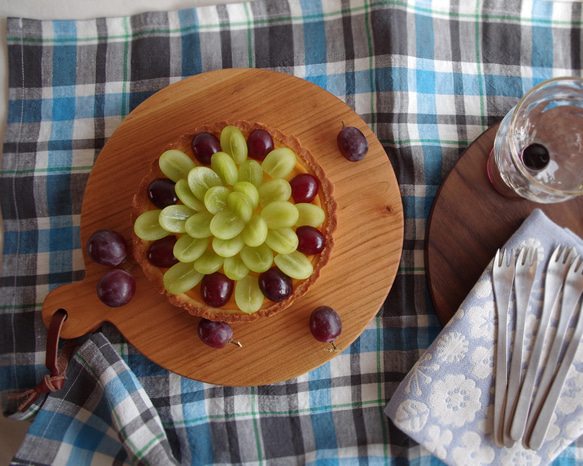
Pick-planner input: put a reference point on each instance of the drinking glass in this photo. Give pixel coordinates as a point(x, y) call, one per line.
point(538, 149)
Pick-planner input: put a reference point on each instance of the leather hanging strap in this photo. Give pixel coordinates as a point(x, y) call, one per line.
point(57, 365)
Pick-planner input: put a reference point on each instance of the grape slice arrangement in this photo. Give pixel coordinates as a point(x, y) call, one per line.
point(236, 222)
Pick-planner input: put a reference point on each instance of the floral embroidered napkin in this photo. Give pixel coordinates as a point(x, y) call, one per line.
point(446, 401)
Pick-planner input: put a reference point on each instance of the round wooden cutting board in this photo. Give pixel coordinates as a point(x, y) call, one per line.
point(356, 281)
point(469, 221)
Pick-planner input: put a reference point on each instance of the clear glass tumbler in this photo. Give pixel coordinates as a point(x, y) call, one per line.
point(538, 149)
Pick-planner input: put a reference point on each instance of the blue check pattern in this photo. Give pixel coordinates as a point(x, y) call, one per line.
point(428, 77)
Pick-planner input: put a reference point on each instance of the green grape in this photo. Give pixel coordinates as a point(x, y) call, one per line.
point(209, 262)
point(199, 225)
point(224, 166)
point(173, 218)
point(235, 268)
point(251, 171)
point(258, 259)
point(200, 179)
point(226, 224)
point(181, 277)
point(228, 247)
point(185, 195)
point(249, 190)
point(279, 162)
point(188, 249)
point(310, 214)
point(147, 226)
point(240, 204)
point(274, 190)
point(295, 265)
point(280, 214)
point(215, 199)
point(175, 164)
point(255, 232)
point(248, 295)
point(233, 143)
point(282, 241)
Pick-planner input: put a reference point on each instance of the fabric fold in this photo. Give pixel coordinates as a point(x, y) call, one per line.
point(101, 408)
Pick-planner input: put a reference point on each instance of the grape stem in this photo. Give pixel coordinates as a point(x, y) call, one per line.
point(334, 348)
point(236, 343)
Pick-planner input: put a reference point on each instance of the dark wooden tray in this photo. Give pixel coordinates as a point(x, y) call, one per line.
point(469, 221)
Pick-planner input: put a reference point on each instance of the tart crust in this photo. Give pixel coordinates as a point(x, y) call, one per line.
point(191, 301)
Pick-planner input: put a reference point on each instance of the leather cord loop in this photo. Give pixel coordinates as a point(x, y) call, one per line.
point(56, 364)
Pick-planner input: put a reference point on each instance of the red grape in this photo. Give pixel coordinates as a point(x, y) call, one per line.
point(259, 144)
point(161, 252)
point(275, 285)
point(204, 145)
point(310, 240)
point(107, 247)
point(215, 334)
point(216, 289)
point(535, 156)
point(352, 143)
point(161, 192)
point(325, 324)
point(304, 187)
point(116, 288)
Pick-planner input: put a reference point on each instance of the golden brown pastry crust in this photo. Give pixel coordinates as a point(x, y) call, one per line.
point(191, 301)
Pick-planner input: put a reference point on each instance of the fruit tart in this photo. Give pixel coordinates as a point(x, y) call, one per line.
point(234, 221)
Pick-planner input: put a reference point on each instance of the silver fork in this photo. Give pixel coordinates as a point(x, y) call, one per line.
point(525, 272)
point(555, 274)
point(572, 290)
point(502, 278)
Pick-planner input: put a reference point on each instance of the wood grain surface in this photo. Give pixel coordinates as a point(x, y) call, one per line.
point(469, 221)
point(356, 281)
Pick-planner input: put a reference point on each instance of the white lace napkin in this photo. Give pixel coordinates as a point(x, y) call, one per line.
point(446, 401)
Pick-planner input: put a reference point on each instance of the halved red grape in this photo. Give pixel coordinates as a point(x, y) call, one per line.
point(304, 187)
point(259, 144)
point(216, 289)
point(325, 324)
point(275, 285)
point(310, 240)
point(107, 247)
point(352, 143)
point(204, 145)
point(215, 334)
point(161, 252)
point(161, 192)
point(116, 288)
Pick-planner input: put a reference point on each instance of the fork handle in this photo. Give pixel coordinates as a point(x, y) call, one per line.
point(523, 287)
point(522, 406)
point(568, 306)
point(548, 408)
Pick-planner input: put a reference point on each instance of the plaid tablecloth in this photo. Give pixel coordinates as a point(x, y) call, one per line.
point(428, 77)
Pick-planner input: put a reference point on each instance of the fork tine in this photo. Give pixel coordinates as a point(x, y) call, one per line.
point(522, 256)
point(568, 255)
point(557, 253)
point(501, 259)
point(533, 255)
